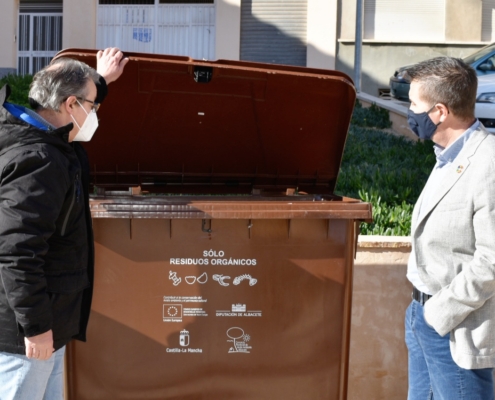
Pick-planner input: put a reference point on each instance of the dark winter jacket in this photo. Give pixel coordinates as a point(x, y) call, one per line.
point(46, 243)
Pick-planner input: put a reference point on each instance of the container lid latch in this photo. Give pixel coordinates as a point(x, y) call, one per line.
point(202, 74)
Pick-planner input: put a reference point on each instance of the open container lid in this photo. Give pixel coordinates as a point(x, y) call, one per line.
point(176, 125)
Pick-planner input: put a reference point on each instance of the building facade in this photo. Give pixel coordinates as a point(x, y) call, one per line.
point(291, 32)
point(313, 33)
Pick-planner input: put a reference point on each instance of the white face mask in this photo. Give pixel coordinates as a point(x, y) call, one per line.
point(88, 128)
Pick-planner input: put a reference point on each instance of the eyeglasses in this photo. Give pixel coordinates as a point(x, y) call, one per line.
point(94, 107)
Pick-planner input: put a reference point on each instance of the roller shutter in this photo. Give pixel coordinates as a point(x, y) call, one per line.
point(274, 31)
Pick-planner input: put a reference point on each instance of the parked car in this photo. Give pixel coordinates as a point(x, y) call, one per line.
point(483, 62)
point(485, 101)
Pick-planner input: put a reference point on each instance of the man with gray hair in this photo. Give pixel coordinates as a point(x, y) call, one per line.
point(46, 242)
point(450, 324)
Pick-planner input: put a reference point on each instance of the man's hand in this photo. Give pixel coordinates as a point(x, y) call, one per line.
point(39, 346)
point(110, 63)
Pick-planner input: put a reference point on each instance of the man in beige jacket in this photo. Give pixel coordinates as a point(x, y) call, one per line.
point(450, 324)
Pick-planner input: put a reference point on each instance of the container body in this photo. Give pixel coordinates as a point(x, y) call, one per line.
point(231, 309)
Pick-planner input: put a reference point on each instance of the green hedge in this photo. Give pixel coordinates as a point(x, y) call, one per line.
point(371, 117)
point(20, 88)
point(387, 170)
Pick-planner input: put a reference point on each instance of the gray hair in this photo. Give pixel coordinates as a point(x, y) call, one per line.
point(62, 78)
point(449, 81)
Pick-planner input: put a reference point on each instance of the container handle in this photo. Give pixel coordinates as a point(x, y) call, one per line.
point(203, 225)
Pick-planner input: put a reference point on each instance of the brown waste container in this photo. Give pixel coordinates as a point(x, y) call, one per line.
point(223, 258)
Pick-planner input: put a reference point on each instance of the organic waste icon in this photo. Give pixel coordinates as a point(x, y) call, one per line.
point(173, 277)
point(191, 279)
point(221, 279)
point(241, 278)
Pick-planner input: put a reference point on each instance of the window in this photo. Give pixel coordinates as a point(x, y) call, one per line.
point(39, 35)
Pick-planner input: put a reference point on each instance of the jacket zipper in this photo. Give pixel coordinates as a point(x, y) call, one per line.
point(75, 198)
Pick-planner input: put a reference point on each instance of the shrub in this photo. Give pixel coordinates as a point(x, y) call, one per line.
point(389, 172)
point(370, 117)
point(20, 88)
point(388, 219)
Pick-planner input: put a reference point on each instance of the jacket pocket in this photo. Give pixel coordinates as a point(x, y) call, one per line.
point(75, 198)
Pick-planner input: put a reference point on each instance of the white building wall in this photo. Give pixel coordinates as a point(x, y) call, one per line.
point(79, 29)
point(228, 29)
point(322, 34)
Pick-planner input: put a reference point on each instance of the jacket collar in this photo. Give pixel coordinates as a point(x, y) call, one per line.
point(18, 133)
point(457, 169)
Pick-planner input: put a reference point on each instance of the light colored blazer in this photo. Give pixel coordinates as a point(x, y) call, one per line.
point(454, 245)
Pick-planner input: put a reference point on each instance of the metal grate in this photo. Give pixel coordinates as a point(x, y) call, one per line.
point(40, 62)
point(48, 33)
point(24, 32)
point(23, 65)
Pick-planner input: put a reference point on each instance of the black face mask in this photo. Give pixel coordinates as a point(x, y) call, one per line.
point(421, 124)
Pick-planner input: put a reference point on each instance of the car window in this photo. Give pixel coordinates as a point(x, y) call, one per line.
point(491, 63)
point(479, 54)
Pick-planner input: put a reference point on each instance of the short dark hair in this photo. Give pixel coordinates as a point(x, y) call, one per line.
point(449, 81)
point(62, 78)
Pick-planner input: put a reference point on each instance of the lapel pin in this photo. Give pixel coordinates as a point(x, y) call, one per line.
point(459, 169)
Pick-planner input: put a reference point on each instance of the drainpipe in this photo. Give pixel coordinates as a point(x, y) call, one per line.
point(358, 44)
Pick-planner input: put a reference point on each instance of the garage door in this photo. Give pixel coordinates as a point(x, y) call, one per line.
point(185, 28)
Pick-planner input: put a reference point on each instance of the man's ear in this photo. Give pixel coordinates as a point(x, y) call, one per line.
point(444, 111)
point(69, 104)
